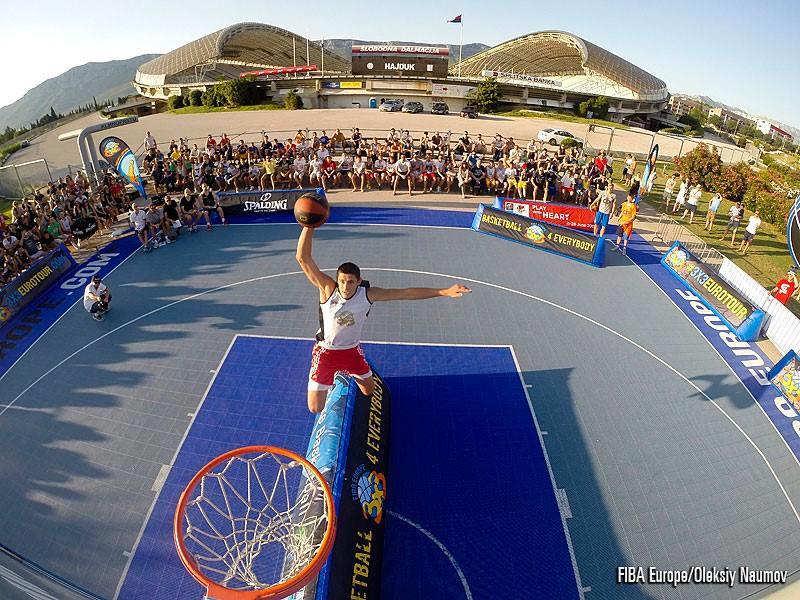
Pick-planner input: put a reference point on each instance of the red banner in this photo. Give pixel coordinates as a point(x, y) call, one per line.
point(566, 215)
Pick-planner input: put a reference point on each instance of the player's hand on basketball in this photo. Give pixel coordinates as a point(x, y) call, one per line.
point(456, 291)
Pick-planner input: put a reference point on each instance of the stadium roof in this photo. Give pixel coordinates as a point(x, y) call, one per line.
point(244, 44)
point(558, 53)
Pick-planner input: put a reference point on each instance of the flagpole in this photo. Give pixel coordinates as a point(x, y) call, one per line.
point(460, 44)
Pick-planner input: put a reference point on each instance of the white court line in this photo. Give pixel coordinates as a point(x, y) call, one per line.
point(171, 464)
point(727, 364)
point(446, 275)
point(443, 344)
point(552, 476)
point(439, 545)
point(69, 308)
point(360, 224)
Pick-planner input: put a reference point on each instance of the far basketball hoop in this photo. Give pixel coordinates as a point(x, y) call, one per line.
point(256, 523)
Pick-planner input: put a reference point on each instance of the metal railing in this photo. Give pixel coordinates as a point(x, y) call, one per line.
point(669, 231)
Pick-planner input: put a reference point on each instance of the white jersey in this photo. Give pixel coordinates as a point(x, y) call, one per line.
point(98, 290)
point(342, 320)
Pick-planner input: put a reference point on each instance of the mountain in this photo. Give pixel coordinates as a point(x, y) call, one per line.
point(342, 47)
point(73, 88)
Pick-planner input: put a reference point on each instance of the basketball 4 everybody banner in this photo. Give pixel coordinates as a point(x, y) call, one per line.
point(120, 156)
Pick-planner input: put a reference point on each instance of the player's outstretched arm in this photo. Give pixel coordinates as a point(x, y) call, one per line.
point(320, 280)
point(382, 295)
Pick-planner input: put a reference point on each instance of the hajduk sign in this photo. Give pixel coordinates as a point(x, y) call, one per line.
point(571, 243)
point(734, 309)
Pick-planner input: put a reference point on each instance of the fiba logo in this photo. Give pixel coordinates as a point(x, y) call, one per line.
point(535, 233)
point(370, 65)
point(369, 490)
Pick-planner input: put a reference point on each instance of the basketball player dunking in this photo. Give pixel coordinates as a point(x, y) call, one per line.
point(344, 304)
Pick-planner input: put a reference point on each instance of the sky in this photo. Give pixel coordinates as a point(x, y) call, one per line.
point(740, 52)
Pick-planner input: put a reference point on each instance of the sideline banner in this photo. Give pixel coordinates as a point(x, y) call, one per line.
point(566, 215)
point(258, 202)
point(785, 376)
point(567, 242)
point(33, 282)
point(355, 563)
point(734, 309)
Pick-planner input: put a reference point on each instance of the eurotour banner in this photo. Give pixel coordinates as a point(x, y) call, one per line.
point(649, 167)
point(793, 231)
point(571, 243)
point(785, 376)
point(119, 155)
point(567, 215)
point(34, 282)
point(257, 202)
point(736, 312)
point(350, 446)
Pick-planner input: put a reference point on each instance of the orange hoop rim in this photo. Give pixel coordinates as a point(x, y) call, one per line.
point(290, 586)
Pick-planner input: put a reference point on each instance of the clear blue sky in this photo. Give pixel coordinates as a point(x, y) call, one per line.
point(742, 52)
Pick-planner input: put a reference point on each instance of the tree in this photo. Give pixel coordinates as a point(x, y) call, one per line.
point(210, 97)
point(733, 181)
point(699, 116)
point(715, 121)
point(196, 98)
point(692, 121)
point(486, 96)
point(239, 92)
point(701, 165)
point(293, 101)
point(600, 107)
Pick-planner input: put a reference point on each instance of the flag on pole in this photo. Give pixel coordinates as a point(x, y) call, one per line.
point(455, 19)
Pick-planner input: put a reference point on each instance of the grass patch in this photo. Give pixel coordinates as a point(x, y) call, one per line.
point(767, 259)
point(5, 209)
point(537, 114)
point(193, 110)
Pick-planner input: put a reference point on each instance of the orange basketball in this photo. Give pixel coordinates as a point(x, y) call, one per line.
point(311, 210)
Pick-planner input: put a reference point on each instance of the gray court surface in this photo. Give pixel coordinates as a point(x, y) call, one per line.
point(653, 473)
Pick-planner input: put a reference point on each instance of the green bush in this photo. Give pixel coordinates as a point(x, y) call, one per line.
point(240, 92)
point(211, 97)
point(293, 101)
point(571, 143)
point(196, 98)
point(175, 102)
point(598, 107)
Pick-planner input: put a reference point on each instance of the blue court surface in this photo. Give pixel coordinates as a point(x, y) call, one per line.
point(466, 470)
point(560, 422)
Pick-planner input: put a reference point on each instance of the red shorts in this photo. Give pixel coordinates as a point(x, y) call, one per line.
point(326, 363)
point(626, 229)
point(429, 175)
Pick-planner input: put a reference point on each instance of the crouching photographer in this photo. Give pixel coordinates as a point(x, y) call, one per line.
point(97, 298)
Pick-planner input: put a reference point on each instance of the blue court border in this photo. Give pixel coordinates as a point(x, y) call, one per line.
point(235, 412)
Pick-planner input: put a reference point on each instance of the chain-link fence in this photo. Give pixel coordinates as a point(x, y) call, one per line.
point(18, 181)
point(621, 141)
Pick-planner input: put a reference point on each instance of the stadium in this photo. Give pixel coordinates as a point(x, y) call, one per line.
point(546, 69)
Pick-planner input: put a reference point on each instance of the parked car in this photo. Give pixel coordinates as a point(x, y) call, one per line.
point(391, 106)
point(24, 143)
point(554, 137)
point(412, 107)
point(440, 108)
point(470, 112)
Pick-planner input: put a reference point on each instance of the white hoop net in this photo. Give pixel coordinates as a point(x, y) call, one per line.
point(255, 521)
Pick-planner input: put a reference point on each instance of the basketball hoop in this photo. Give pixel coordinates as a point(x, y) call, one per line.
point(256, 523)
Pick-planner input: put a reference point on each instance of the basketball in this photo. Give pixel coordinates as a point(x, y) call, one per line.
point(311, 210)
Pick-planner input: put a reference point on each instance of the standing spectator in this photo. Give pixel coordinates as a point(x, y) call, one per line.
point(150, 142)
point(753, 223)
point(625, 225)
point(784, 289)
point(669, 187)
point(603, 206)
point(713, 207)
point(735, 216)
point(680, 199)
point(691, 204)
